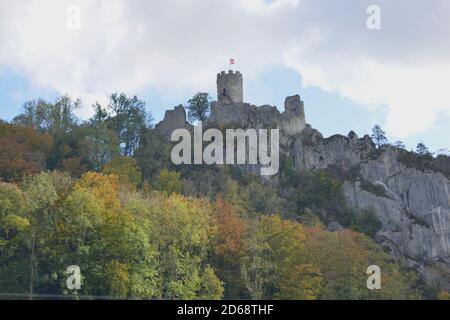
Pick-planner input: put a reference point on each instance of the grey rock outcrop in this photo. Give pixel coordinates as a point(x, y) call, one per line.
point(413, 205)
point(410, 198)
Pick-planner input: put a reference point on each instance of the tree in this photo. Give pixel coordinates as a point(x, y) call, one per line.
point(91, 229)
point(293, 279)
point(104, 187)
point(126, 169)
point(261, 198)
point(14, 231)
point(100, 144)
point(343, 257)
point(256, 268)
point(366, 222)
point(199, 107)
point(52, 118)
point(128, 120)
point(182, 228)
point(168, 181)
point(211, 287)
point(399, 144)
point(320, 192)
point(422, 150)
point(13, 223)
point(227, 246)
point(153, 154)
point(41, 195)
point(229, 240)
point(272, 264)
point(378, 136)
point(57, 120)
point(23, 151)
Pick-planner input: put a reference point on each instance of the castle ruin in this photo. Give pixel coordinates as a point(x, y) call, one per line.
point(230, 111)
point(230, 88)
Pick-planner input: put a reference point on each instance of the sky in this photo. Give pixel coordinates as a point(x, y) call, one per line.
point(350, 76)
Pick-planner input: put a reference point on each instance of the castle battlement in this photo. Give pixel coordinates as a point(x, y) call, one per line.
point(230, 111)
point(230, 88)
point(229, 72)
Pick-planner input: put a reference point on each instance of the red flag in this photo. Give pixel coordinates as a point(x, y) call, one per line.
point(232, 61)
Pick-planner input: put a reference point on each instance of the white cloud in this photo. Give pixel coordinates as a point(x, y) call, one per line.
point(177, 44)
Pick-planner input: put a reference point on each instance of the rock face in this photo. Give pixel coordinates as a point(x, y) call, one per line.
point(411, 201)
point(413, 205)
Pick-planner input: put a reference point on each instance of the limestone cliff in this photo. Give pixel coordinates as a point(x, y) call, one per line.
point(412, 202)
point(410, 197)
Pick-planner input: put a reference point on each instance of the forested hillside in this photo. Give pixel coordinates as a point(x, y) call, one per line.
point(103, 195)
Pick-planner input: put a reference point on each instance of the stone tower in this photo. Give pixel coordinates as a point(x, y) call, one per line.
point(229, 88)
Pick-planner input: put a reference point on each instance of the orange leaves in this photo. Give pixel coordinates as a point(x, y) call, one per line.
point(103, 187)
point(23, 151)
point(231, 229)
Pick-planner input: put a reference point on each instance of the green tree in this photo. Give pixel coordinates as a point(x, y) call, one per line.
point(59, 121)
point(400, 145)
point(422, 150)
point(366, 222)
point(52, 118)
point(108, 240)
point(211, 287)
point(378, 136)
point(286, 275)
point(100, 144)
point(126, 169)
point(128, 120)
point(320, 192)
point(182, 229)
point(41, 195)
point(13, 222)
point(153, 154)
point(199, 107)
point(168, 181)
point(343, 257)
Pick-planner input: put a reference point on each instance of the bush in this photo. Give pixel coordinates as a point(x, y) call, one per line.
point(366, 222)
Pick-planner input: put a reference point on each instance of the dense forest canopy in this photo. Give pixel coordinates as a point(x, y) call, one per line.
point(103, 195)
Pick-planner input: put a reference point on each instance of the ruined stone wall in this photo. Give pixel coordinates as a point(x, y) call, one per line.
point(244, 115)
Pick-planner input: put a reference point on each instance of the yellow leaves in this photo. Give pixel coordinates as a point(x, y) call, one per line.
point(285, 237)
point(211, 287)
point(299, 282)
point(118, 278)
point(343, 258)
point(188, 219)
point(126, 169)
point(444, 295)
point(103, 187)
point(294, 278)
point(16, 223)
point(12, 199)
point(168, 181)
